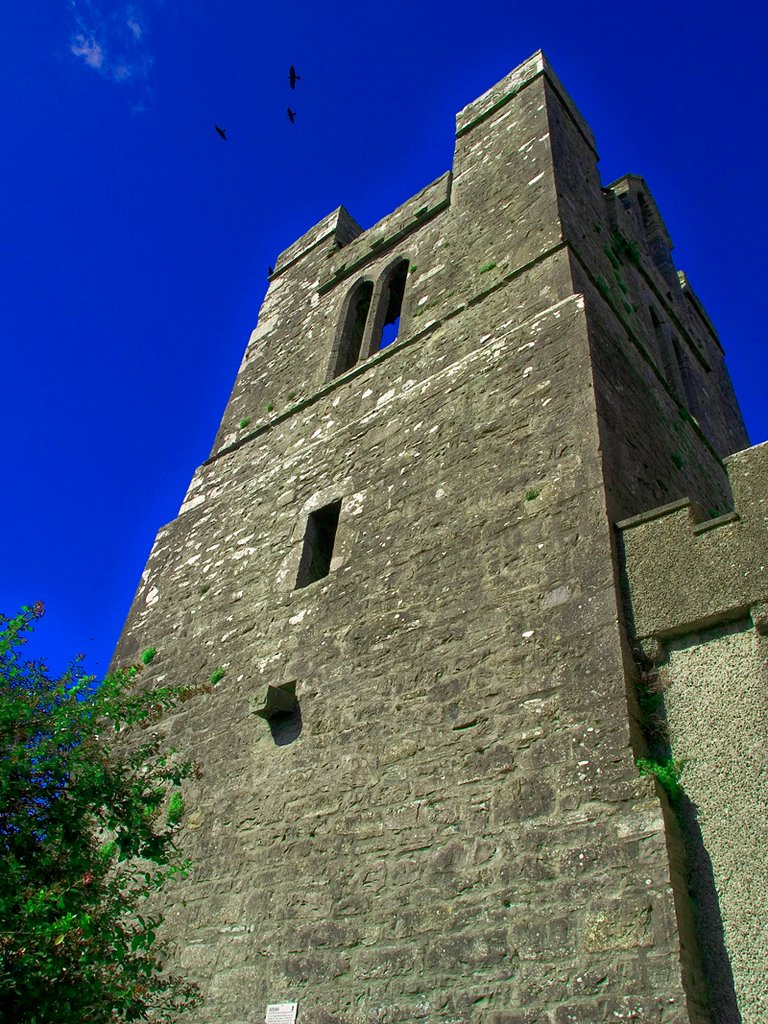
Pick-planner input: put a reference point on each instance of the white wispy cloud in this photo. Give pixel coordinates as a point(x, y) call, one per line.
point(89, 49)
point(134, 22)
point(110, 39)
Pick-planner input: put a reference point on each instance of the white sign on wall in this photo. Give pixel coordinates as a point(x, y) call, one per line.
point(281, 1013)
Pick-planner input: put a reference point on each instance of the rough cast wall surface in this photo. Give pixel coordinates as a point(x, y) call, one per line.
point(697, 596)
point(716, 702)
point(453, 829)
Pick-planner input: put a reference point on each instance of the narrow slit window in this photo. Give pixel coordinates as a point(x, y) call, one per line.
point(646, 216)
point(686, 375)
point(319, 539)
point(393, 296)
point(663, 348)
point(657, 239)
point(354, 328)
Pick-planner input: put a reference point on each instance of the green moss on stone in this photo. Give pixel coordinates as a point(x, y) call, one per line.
point(602, 286)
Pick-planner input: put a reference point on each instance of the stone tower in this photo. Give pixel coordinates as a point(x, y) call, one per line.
point(422, 552)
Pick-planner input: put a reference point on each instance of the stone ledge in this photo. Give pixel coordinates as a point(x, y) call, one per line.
point(374, 360)
point(654, 513)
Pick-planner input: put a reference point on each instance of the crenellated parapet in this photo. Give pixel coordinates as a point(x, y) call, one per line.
point(688, 568)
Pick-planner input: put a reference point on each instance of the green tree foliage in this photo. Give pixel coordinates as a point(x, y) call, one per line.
point(89, 807)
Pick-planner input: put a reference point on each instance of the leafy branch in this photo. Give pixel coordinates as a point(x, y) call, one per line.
point(90, 804)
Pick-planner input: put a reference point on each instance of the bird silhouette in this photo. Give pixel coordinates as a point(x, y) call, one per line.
point(222, 132)
point(291, 115)
point(270, 271)
point(293, 78)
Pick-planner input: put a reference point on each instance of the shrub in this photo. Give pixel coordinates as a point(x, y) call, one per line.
point(90, 807)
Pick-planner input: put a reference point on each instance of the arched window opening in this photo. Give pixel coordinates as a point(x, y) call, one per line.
point(354, 328)
point(657, 239)
point(645, 213)
point(392, 296)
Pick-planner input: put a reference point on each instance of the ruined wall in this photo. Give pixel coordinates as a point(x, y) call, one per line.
point(696, 595)
point(452, 827)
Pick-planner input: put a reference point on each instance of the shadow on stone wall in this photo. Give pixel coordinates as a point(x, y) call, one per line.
point(286, 726)
point(281, 712)
point(709, 973)
point(706, 903)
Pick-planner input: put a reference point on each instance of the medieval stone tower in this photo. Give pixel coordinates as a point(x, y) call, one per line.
point(450, 622)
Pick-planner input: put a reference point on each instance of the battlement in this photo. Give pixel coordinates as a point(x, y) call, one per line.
point(499, 95)
point(688, 568)
point(334, 231)
point(388, 232)
point(522, 211)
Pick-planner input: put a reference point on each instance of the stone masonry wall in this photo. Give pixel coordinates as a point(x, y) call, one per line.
point(453, 829)
point(458, 833)
point(654, 449)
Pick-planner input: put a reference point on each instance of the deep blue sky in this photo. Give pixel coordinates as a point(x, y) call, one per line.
point(135, 242)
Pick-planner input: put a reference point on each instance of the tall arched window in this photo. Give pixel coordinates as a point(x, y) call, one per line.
point(370, 318)
point(354, 320)
point(387, 323)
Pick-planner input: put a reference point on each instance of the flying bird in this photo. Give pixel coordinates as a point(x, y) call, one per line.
point(291, 115)
point(222, 132)
point(293, 78)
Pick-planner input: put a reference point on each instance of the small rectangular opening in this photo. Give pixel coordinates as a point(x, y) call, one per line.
point(319, 539)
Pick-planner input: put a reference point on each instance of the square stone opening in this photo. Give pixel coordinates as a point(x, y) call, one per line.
point(319, 539)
